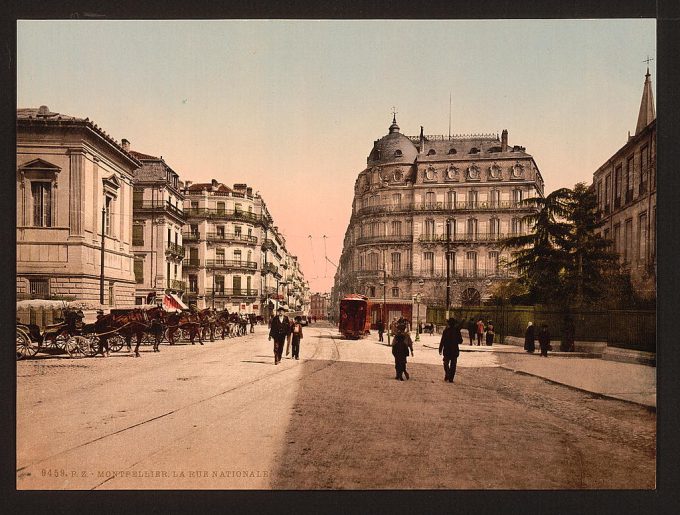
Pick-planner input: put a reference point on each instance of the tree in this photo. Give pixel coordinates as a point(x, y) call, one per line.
point(540, 257)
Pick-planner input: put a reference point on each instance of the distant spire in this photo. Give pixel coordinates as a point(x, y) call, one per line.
point(394, 127)
point(647, 113)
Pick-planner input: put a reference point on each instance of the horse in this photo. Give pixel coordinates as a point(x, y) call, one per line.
point(208, 322)
point(222, 321)
point(156, 318)
point(132, 323)
point(253, 320)
point(186, 321)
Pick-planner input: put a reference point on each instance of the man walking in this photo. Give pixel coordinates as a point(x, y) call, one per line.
point(279, 330)
point(480, 332)
point(380, 326)
point(449, 345)
point(472, 329)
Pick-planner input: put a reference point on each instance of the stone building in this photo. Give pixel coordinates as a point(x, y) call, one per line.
point(72, 178)
point(319, 306)
point(626, 192)
point(423, 198)
point(158, 221)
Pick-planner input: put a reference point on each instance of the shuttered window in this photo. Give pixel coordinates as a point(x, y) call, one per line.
point(139, 271)
point(42, 204)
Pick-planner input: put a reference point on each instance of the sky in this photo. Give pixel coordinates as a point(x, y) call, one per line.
point(292, 107)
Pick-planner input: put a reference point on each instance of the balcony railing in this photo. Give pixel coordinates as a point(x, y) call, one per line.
point(174, 284)
point(176, 250)
point(268, 244)
point(224, 214)
point(445, 206)
point(191, 236)
point(466, 237)
point(232, 237)
point(157, 206)
point(269, 268)
point(230, 263)
point(392, 238)
point(435, 273)
point(191, 263)
point(231, 292)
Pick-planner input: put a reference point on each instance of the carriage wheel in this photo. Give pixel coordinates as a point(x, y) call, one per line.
point(25, 346)
point(61, 340)
point(186, 335)
point(116, 343)
point(78, 347)
point(93, 344)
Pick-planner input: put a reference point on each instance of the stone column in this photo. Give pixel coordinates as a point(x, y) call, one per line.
point(76, 198)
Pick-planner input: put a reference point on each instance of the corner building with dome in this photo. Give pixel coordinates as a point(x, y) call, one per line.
point(421, 198)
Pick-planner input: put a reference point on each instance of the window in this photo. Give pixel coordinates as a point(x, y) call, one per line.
point(39, 288)
point(452, 262)
point(627, 240)
point(169, 236)
point(429, 228)
point(375, 229)
point(472, 199)
point(194, 230)
point(516, 226)
point(629, 179)
point(396, 228)
point(237, 255)
point(111, 294)
point(607, 193)
point(249, 285)
point(617, 187)
point(642, 239)
point(474, 150)
point(396, 262)
point(395, 292)
point(108, 201)
point(495, 198)
point(194, 204)
point(220, 232)
point(451, 229)
point(397, 153)
point(236, 283)
point(431, 152)
point(617, 238)
point(167, 274)
point(42, 204)
point(371, 291)
point(250, 232)
point(430, 199)
point(494, 228)
point(644, 171)
point(137, 198)
point(607, 236)
point(599, 194)
point(237, 231)
point(237, 207)
point(450, 200)
point(219, 255)
point(193, 283)
point(493, 262)
point(396, 199)
point(517, 196)
point(428, 262)
point(472, 228)
point(373, 261)
point(219, 284)
point(249, 256)
point(139, 270)
point(471, 264)
point(221, 208)
point(138, 235)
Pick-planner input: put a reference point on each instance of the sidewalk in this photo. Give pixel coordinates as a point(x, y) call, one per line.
point(625, 381)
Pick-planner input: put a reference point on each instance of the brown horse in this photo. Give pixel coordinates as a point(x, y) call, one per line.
point(208, 323)
point(129, 324)
point(222, 321)
point(156, 318)
point(185, 321)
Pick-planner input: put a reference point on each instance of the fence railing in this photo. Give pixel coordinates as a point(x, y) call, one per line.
point(231, 236)
point(230, 263)
point(231, 292)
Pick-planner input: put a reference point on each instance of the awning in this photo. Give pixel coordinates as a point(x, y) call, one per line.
point(172, 302)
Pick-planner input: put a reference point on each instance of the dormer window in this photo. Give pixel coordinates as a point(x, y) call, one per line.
point(452, 151)
point(397, 153)
point(431, 152)
point(474, 150)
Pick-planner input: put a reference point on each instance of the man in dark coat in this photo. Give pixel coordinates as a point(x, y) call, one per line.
point(380, 326)
point(279, 330)
point(400, 350)
point(449, 346)
point(472, 329)
point(544, 339)
point(530, 338)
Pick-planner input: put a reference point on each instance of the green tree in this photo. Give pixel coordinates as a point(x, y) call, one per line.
point(540, 255)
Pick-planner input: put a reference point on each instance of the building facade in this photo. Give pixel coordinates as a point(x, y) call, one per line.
point(158, 222)
point(319, 306)
point(428, 204)
point(73, 180)
point(626, 192)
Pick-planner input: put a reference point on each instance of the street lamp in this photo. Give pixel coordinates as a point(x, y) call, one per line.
point(418, 297)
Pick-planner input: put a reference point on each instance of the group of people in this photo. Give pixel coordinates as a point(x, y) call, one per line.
point(282, 329)
point(481, 332)
point(543, 339)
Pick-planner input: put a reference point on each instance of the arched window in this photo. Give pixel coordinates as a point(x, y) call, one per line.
point(474, 150)
point(431, 152)
point(397, 153)
point(452, 151)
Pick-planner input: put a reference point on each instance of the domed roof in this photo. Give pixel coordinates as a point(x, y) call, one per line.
point(393, 148)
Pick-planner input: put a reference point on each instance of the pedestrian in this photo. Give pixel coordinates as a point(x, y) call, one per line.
point(480, 332)
point(420, 328)
point(544, 339)
point(380, 326)
point(529, 337)
point(400, 349)
point(489, 333)
point(297, 336)
point(471, 329)
point(449, 345)
point(279, 330)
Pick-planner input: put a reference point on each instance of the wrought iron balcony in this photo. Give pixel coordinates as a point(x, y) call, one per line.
point(231, 237)
point(465, 237)
point(174, 284)
point(175, 250)
point(231, 263)
point(269, 268)
point(465, 205)
point(223, 214)
point(269, 244)
point(191, 236)
point(156, 206)
point(392, 238)
point(231, 292)
point(191, 263)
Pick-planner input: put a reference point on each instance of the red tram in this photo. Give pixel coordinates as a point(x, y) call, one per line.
point(355, 316)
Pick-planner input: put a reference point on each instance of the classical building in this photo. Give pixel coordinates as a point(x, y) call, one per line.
point(319, 306)
point(423, 198)
point(626, 191)
point(73, 179)
point(158, 220)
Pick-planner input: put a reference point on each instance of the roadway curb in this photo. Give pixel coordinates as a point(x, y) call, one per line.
point(597, 394)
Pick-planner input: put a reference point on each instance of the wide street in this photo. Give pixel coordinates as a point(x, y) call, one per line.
point(223, 416)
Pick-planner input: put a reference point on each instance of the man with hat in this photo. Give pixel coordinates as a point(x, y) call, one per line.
point(279, 330)
point(451, 339)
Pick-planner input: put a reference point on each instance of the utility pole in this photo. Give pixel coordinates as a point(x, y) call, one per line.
point(448, 267)
point(101, 266)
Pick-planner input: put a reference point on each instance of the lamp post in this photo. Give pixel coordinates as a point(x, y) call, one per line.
point(418, 297)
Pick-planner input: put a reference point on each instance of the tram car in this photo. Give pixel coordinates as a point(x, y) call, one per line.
point(355, 319)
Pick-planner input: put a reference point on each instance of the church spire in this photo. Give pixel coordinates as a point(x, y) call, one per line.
point(394, 127)
point(647, 113)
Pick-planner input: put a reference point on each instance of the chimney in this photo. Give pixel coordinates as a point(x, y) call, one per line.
point(240, 187)
point(249, 192)
point(504, 140)
point(214, 183)
point(125, 144)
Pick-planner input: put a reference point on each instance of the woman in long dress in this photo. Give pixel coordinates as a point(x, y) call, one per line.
point(529, 338)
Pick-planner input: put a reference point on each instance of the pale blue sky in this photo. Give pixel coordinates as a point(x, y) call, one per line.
point(293, 107)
